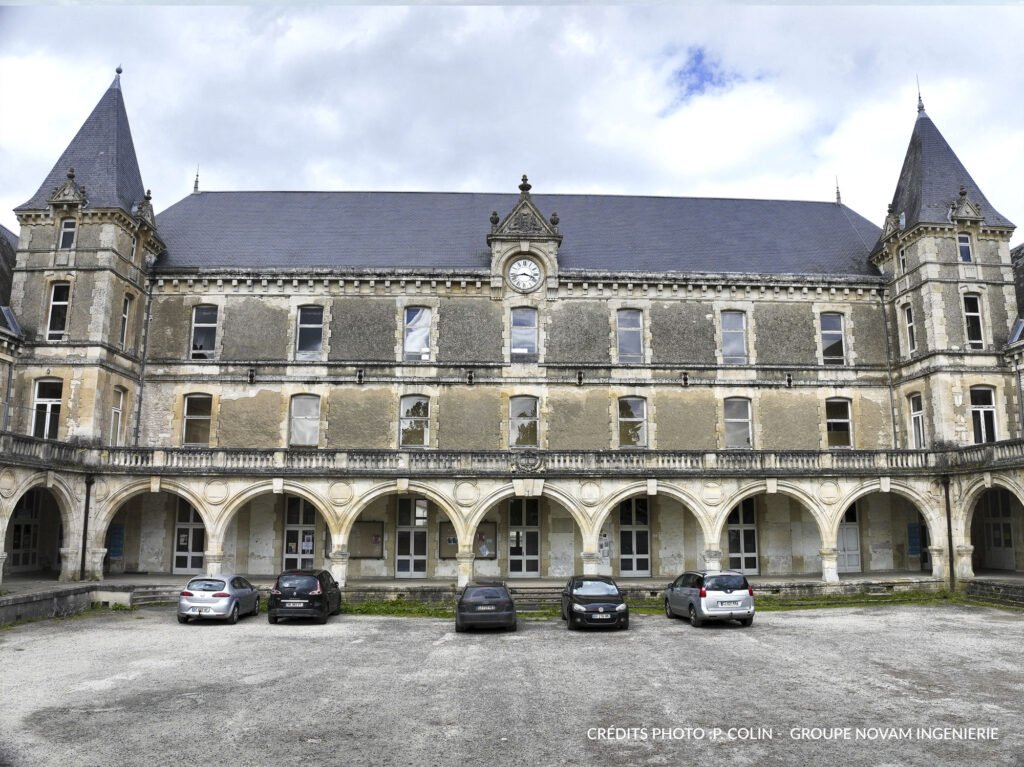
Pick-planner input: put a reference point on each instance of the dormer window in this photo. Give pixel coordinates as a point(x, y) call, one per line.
point(964, 246)
point(67, 233)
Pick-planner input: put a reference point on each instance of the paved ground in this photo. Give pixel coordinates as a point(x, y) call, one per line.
point(817, 687)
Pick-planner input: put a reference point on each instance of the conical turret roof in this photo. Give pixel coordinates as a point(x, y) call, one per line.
point(103, 156)
point(931, 178)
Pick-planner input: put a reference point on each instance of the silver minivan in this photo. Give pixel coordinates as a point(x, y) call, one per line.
point(710, 595)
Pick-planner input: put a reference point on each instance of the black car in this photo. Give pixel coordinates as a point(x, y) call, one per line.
point(485, 604)
point(304, 594)
point(593, 600)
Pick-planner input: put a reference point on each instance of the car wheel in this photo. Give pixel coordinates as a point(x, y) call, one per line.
point(668, 610)
point(233, 617)
point(513, 627)
point(256, 607)
point(624, 624)
point(182, 619)
point(569, 624)
point(323, 618)
point(747, 621)
point(337, 610)
point(694, 620)
point(271, 618)
point(459, 627)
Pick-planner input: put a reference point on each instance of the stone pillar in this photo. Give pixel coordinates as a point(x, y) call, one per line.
point(712, 559)
point(214, 561)
point(94, 563)
point(591, 562)
point(338, 560)
point(71, 565)
point(3, 563)
point(465, 560)
point(829, 565)
point(964, 562)
point(940, 567)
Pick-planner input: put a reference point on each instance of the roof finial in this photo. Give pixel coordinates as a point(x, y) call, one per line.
point(119, 70)
point(839, 197)
point(195, 187)
point(920, 103)
point(524, 188)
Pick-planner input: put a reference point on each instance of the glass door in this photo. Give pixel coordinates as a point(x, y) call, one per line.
point(189, 539)
point(634, 538)
point(411, 538)
point(849, 543)
point(299, 534)
point(743, 538)
point(524, 538)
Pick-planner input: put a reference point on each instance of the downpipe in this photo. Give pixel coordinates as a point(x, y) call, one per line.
point(949, 535)
point(89, 479)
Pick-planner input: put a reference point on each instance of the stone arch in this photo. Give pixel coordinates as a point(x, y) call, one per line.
point(672, 491)
point(964, 515)
point(927, 508)
point(113, 503)
point(64, 495)
point(266, 487)
point(553, 492)
point(760, 487)
point(442, 501)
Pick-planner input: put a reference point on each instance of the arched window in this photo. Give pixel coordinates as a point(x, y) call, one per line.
point(632, 422)
point(983, 414)
point(196, 416)
point(838, 423)
point(738, 432)
point(522, 422)
point(304, 424)
point(414, 421)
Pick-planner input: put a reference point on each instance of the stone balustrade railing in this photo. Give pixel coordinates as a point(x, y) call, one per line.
point(16, 449)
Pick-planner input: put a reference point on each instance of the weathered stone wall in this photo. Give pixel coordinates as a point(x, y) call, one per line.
point(579, 332)
point(469, 418)
point(682, 332)
point(256, 329)
point(786, 334)
point(687, 419)
point(363, 330)
point(578, 419)
point(469, 330)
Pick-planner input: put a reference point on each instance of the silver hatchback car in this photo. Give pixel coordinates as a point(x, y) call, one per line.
point(222, 597)
point(710, 595)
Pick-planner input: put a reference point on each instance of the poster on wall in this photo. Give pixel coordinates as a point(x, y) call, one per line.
point(366, 541)
point(485, 541)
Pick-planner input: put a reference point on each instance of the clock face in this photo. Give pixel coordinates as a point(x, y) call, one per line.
point(524, 274)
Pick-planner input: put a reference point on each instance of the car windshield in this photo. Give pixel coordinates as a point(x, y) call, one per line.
point(484, 593)
point(301, 582)
point(595, 589)
point(726, 583)
point(205, 584)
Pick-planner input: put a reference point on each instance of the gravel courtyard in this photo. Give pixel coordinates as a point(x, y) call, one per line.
point(857, 686)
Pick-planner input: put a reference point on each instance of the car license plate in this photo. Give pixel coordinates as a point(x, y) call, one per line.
point(601, 616)
point(293, 604)
point(486, 607)
point(722, 603)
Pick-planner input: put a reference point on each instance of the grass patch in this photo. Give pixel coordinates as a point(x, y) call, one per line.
point(779, 603)
point(400, 608)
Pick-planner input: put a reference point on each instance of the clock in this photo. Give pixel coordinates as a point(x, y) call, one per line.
point(524, 274)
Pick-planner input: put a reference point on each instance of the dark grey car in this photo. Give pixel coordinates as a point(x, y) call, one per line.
point(710, 595)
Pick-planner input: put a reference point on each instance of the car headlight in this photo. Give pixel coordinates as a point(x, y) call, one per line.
point(621, 608)
point(577, 608)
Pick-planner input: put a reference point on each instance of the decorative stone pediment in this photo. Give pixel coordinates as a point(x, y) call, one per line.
point(525, 222)
point(892, 223)
point(68, 193)
point(144, 210)
point(964, 209)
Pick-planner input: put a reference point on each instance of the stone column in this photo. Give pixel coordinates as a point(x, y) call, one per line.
point(940, 567)
point(3, 563)
point(214, 561)
point(591, 562)
point(338, 560)
point(465, 560)
point(71, 565)
point(964, 562)
point(829, 565)
point(712, 559)
point(94, 563)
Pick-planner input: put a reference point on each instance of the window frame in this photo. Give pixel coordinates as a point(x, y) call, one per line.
point(915, 404)
point(117, 417)
point(203, 354)
point(514, 421)
point(747, 420)
point(303, 421)
point(964, 246)
point(903, 260)
point(126, 308)
point(415, 324)
point(734, 359)
point(983, 416)
point(974, 341)
point(55, 334)
point(830, 420)
point(68, 235)
point(531, 331)
point(51, 407)
point(188, 419)
point(625, 332)
point(632, 421)
point(405, 421)
point(841, 332)
point(908, 323)
point(300, 326)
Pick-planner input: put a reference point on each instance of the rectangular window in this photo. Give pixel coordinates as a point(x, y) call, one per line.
point(983, 414)
point(833, 349)
point(630, 334)
point(903, 260)
point(917, 421)
point(116, 413)
point(522, 422)
point(417, 333)
point(632, 422)
point(837, 423)
point(60, 295)
point(964, 246)
point(197, 416)
point(46, 415)
point(414, 422)
point(309, 335)
point(972, 321)
point(524, 334)
point(737, 423)
point(908, 314)
point(67, 233)
point(204, 332)
point(126, 312)
point(734, 338)
point(304, 429)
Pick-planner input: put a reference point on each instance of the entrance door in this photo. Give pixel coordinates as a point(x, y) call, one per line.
point(634, 538)
point(998, 553)
point(411, 538)
point(299, 534)
point(189, 539)
point(24, 554)
point(743, 538)
point(849, 542)
point(524, 537)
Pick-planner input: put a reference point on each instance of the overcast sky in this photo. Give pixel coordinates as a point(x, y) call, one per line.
point(740, 101)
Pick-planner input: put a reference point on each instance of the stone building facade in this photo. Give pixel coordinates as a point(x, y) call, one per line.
point(448, 386)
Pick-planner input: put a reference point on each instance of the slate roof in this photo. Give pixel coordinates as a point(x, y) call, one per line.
point(8, 248)
point(423, 230)
point(9, 236)
point(931, 178)
point(103, 156)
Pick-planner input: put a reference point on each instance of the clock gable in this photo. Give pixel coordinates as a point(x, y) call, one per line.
point(524, 247)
